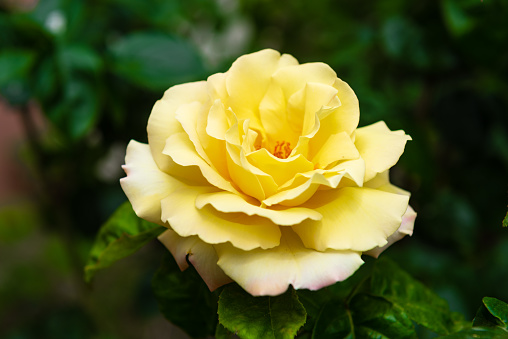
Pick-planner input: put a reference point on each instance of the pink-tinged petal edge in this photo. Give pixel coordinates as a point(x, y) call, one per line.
point(270, 272)
point(201, 255)
point(406, 228)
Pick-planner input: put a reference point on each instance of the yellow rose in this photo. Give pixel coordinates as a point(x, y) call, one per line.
point(261, 176)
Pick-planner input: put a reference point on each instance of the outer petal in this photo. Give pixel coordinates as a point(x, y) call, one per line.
point(214, 227)
point(231, 203)
point(382, 182)
point(270, 272)
point(248, 79)
point(406, 228)
point(202, 256)
point(379, 147)
point(145, 185)
point(162, 122)
point(354, 218)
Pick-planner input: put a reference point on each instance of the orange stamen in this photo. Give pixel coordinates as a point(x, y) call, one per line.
point(282, 149)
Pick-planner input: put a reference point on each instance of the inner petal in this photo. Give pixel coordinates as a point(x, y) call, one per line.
point(281, 170)
point(305, 103)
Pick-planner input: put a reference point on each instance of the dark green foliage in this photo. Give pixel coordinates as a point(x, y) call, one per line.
point(123, 234)
point(156, 61)
point(492, 313)
point(491, 322)
point(251, 317)
point(382, 305)
point(479, 333)
point(184, 299)
point(436, 69)
point(421, 304)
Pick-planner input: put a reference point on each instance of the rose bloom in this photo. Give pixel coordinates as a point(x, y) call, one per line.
point(261, 176)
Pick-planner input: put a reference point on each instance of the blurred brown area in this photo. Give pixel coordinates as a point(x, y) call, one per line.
point(14, 176)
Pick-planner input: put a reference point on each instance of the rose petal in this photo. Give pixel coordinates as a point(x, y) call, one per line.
point(379, 147)
point(344, 118)
point(217, 87)
point(354, 218)
point(281, 170)
point(382, 182)
point(231, 203)
point(305, 103)
point(275, 125)
point(213, 227)
point(406, 228)
point(270, 272)
point(337, 147)
point(218, 121)
point(182, 151)
point(202, 256)
point(188, 115)
point(248, 79)
point(145, 185)
point(162, 122)
point(250, 179)
point(293, 78)
point(194, 118)
point(303, 186)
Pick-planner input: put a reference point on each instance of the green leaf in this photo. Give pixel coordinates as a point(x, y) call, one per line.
point(376, 317)
point(505, 221)
point(366, 316)
point(458, 22)
point(156, 60)
point(122, 235)
point(334, 321)
point(314, 301)
point(479, 333)
point(184, 299)
point(15, 63)
point(78, 111)
point(417, 301)
point(260, 317)
point(493, 312)
point(15, 66)
point(222, 333)
point(80, 58)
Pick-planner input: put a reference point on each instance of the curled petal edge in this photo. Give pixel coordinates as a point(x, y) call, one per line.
point(406, 228)
point(270, 272)
point(200, 254)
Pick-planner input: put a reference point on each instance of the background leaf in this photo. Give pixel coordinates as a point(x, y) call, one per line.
point(478, 333)
point(249, 317)
point(155, 60)
point(184, 299)
point(123, 234)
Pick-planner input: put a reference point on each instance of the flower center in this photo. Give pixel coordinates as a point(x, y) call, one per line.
point(282, 149)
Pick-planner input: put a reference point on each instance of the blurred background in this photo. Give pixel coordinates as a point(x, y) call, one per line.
point(78, 80)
